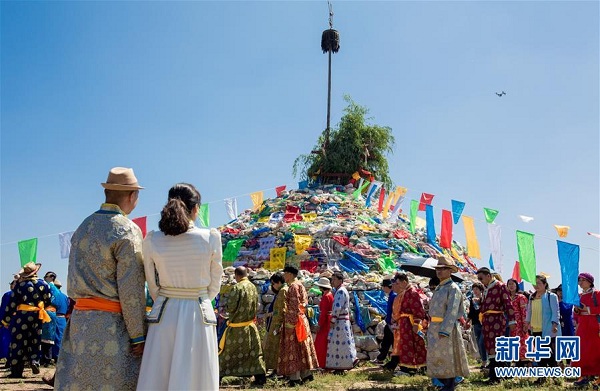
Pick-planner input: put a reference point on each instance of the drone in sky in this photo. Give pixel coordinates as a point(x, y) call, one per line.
point(500, 94)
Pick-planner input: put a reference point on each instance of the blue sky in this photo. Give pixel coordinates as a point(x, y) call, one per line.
point(225, 95)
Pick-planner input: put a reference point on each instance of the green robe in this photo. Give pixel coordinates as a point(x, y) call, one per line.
point(242, 354)
point(272, 340)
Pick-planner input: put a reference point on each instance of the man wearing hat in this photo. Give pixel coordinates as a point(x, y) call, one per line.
point(296, 340)
point(27, 305)
point(104, 339)
point(322, 329)
point(446, 354)
point(388, 334)
point(587, 316)
point(496, 308)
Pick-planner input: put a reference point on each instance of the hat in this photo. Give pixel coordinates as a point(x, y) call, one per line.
point(587, 276)
point(291, 269)
point(445, 261)
point(121, 178)
point(323, 283)
point(29, 269)
point(57, 284)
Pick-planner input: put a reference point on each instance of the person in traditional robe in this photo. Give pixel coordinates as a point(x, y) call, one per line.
point(388, 335)
point(183, 266)
point(241, 351)
point(5, 331)
point(495, 309)
point(446, 355)
point(341, 351)
point(473, 318)
point(519, 303)
point(24, 314)
point(60, 301)
point(274, 322)
point(587, 316)
point(408, 313)
point(297, 356)
point(104, 339)
point(322, 328)
point(566, 313)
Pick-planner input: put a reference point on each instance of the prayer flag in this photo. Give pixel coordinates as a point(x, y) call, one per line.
point(279, 190)
point(231, 208)
point(381, 198)
point(310, 216)
point(257, 199)
point(302, 242)
point(446, 234)
point(396, 211)
point(471, 237)
point(516, 274)
point(594, 235)
point(430, 226)
point(232, 249)
point(266, 244)
point(526, 219)
point(568, 257)
point(64, 240)
point(563, 230)
point(141, 222)
point(277, 260)
point(360, 189)
point(388, 202)
point(526, 252)
point(204, 215)
point(414, 205)
point(490, 214)
point(357, 315)
point(370, 191)
point(457, 209)
point(27, 250)
point(425, 200)
point(401, 191)
point(302, 185)
point(495, 234)
point(491, 262)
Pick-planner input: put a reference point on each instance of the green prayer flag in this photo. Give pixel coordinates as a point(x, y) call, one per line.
point(27, 251)
point(232, 249)
point(358, 191)
point(414, 207)
point(387, 264)
point(490, 214)
point(526, 256)
point(204, 215)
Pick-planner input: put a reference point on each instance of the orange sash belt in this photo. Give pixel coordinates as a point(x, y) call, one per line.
point(42, 314)
point(97, 304)
point(481, 314)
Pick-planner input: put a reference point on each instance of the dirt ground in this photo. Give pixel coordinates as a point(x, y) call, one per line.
point(30, 382)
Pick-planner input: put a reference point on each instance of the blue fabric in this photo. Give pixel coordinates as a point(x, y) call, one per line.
point(59, 300)
point(566, 319)
point(379, 244)
point(61, 325)
point(302, 185)
point(430, 226)
point(354, 261)
point(373, 188)
point(377, 300)
point(390, 307)
point(550, 314)
point(457, 209)
point(568, 256)
point(358, 319)
point(4, 332)
point(491, 263)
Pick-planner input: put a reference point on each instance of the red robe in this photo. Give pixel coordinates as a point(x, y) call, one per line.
point(495, 298)
point(588, 330)
point(519, 304)
point(325, 307)
point(409, 346)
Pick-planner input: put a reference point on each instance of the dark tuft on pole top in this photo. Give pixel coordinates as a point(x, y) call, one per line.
point(330, 41)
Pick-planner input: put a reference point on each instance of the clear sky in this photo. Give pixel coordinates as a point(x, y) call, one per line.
point(226, 94)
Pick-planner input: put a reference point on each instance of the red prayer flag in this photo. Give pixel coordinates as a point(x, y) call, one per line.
point(310, 266)
point(279, 190)
point(425, 200)
point(446, 235)
point(381, 198)
point(516, 275)
point(401, 234)
point(343, 240)
point(141, 222)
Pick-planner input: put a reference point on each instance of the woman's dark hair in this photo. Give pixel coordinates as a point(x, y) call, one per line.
point(516, 284)
point(434, 281)
point(543, 279)
point(277, 277)
point(401, 277)
point(478, 285)
point(176, 214)
point(338, 275)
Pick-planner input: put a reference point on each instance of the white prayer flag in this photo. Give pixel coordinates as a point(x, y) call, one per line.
point(496, 245)
point(526, 219)
point(231, 207)
point(594, 235)
point(65, 244)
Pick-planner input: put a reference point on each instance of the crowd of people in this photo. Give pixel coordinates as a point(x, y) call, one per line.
point(113, 341)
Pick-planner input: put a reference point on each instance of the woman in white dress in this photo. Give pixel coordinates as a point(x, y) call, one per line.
point(183, 269)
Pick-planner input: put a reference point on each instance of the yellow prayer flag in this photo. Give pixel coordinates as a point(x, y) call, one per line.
point(388, 202)
point(264, 219)
point(401, 191)
point(356, 176)
point(302, 242)
point(472, 243)
point(277, 259)
point(257, 199)
point(563, 230)
point(310, 216)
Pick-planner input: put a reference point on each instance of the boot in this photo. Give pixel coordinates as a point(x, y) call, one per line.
point(493, 379)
